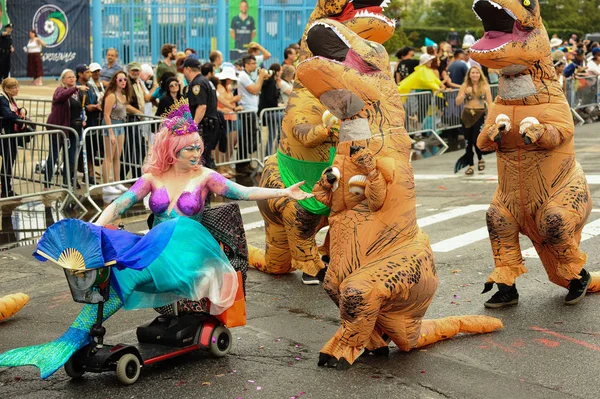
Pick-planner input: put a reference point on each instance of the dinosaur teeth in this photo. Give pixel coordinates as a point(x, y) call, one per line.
point(487, 50)
point(385, 3)
point(368, 14)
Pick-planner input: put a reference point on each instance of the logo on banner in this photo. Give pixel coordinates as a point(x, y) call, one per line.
point(51, 24)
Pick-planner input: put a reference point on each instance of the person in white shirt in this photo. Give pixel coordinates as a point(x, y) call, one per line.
point(249, 89)
point(35, 68)
point(286, 84)
point(593, 67)
point(468, 40)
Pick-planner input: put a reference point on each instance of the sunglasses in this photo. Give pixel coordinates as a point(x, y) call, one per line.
point(174, 85)
point(122, 80)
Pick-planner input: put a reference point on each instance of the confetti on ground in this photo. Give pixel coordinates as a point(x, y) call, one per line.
point(219, 375)
point(278, 340)
point(179, 383)
point(422, 371)
point(205, 384)
point(251, 381)
point(259, 388)
point(298, 358)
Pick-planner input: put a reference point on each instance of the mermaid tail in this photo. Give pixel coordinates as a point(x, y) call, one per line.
point(51, 356)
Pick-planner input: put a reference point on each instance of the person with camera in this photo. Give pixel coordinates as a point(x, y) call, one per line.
point(66, 111)
point(202, 97)
point(269, 98)
point(249, 89)
point(9, 113)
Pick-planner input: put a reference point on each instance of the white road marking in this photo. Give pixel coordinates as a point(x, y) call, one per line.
point(590, 230)
point(460, 241)
point(591, 179)
point(451, 214)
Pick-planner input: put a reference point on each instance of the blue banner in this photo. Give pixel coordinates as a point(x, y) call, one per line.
point(63, 25)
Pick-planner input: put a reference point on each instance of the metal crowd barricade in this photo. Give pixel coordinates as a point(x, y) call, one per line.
point(245, 143)
point(270, 121)
point(23, 153)
point(423, 120)
point(136, 139)
point(37, 110)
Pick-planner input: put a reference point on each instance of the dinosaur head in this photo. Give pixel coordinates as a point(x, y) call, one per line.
point(350, 75)
point(514, 38)
point(365, 17)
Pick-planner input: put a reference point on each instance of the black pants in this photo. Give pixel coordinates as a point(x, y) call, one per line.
point(56, 144)
point(247, 137)
point(4, 64)
point(471, 134)
point(8, 152)
point(134, 152)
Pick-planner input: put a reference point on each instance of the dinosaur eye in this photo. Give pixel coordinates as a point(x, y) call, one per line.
point(526, 3)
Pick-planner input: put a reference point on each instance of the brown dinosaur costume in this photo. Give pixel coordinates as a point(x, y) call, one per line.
point(542, 191)
point(290, 228)
point(381, 272)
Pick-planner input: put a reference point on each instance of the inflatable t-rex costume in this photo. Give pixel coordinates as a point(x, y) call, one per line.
point(542, 191)
point(381, 272)
point(304, 151)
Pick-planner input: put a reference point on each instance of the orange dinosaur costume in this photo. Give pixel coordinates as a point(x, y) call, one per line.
point(304, 151)
point(542, 191)
point(381, 272)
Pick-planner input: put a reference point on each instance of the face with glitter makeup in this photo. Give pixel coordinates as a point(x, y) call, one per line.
point(190, 155)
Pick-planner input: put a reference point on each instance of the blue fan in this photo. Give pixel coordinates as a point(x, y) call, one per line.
point(72, 244)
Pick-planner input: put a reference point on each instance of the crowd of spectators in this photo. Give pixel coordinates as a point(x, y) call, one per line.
point(225, 98)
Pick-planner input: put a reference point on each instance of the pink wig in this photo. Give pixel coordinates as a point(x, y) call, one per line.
point(163, 154)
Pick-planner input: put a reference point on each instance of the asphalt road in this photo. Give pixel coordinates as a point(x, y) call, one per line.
point(546, 350)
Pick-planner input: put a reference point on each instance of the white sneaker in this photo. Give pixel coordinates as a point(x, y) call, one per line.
point(121, 188)
point(110, 190)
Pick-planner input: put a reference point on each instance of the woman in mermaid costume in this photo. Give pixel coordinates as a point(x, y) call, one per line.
point(177, 259)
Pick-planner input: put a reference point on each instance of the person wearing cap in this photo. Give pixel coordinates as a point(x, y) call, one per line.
point(555, 43)
point(227, 103)
point(169, 52)
point(560, 61)
point(578, 65)
point(95, 82)
point(91, 115)
point(593, 67)
point(33, 49)
point(111, 67)
point(458, 68)
point(260, 54)
point(134, 150)
point(203, 106)
point(6, 50)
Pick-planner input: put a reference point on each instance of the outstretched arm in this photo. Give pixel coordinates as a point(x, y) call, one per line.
point(136, 193)
point(228, 189)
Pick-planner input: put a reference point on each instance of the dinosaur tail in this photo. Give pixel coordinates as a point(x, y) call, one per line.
point(51, 356)
point(595, 283)
point(256, 258)
point(437, 330)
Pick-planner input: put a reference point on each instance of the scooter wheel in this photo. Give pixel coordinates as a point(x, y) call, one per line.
point(73, 368)
point(220, 341)
point(128, 369)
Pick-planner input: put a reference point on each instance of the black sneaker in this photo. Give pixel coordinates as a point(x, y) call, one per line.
point(578, 288)
point(507, 295)
point(321, 275)
point(307, 279)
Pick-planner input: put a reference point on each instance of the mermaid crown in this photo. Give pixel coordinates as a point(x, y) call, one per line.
point(179, 120)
